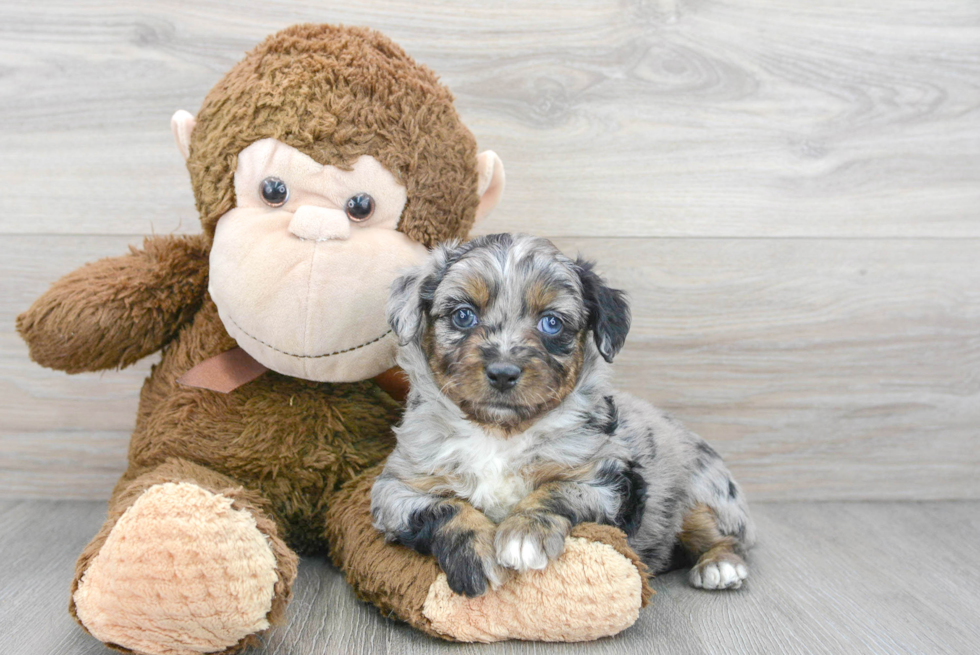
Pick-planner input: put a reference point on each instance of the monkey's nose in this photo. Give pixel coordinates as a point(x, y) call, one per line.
point(503, 375)
point(319, 223)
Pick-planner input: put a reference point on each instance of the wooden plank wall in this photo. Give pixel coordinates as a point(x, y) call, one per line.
point(790, 192)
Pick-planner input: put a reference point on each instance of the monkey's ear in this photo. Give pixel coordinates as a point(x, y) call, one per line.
point(182, 124)
point(609, 312)
point(490, 186)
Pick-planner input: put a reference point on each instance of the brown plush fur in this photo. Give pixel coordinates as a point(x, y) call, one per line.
point(280, 447)
point(395, 578)
point(113, 312)
point(336, 93)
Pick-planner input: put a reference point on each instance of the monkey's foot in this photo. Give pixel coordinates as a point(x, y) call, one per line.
point(594, 589)
point(181, 572)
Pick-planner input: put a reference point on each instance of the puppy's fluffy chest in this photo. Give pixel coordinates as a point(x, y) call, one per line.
point(494, 472)
point(488, 470)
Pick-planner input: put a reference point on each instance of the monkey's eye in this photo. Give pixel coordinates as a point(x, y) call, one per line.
point(274, 192)
point(360, 207)
point(464, 318)
point(550, 324)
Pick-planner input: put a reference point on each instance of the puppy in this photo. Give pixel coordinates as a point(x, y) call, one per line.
point(512, 434)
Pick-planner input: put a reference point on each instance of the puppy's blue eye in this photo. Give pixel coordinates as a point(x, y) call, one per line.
point(550, 324)
point(464, 318)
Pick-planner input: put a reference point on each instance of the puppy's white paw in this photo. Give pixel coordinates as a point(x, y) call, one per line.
point(715, 574)
point(529, 540)
point(521, 554)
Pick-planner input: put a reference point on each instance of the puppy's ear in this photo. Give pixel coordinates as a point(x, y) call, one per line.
point(410, 298)
point(609, 312)
point(404, 311)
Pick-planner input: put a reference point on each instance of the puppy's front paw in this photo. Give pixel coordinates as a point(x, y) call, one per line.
point(725, 572)
point(467, 558)
point(528, 540)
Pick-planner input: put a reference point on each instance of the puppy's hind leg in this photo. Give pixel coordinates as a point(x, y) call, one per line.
point(717, 528)
point(717, 565)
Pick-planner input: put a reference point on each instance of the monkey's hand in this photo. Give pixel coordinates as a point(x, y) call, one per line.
point(530, 538)
point(113, 312)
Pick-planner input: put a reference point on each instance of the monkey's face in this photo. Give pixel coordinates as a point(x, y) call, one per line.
point(300, 268)
point(344, 159)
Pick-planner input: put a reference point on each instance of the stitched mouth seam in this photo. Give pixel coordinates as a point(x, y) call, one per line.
point(336, 352)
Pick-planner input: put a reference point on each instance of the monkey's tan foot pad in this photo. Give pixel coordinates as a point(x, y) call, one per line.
point(181, 572)
point(594, 589)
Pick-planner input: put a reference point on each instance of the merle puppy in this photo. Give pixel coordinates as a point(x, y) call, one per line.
point(512, 433)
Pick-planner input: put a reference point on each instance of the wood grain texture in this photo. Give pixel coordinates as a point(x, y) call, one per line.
point(820, 369)
point(653, 118)
point(826, 578)
point(61, 436)
point(789, 191)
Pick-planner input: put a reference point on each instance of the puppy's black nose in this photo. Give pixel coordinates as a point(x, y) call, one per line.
point(503, 375)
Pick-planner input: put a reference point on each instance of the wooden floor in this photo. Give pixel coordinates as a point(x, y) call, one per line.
point(826, 578)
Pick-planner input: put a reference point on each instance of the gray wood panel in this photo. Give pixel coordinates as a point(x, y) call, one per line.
point(662, 118)
point(820, 369)
point(789, 191)
point(826, 578)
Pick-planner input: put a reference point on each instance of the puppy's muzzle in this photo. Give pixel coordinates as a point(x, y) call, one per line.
point(503, 376)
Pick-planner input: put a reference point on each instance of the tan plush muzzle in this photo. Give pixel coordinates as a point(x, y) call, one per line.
point(299, 285)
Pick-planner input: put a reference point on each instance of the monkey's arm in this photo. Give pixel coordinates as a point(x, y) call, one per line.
point(113, 312)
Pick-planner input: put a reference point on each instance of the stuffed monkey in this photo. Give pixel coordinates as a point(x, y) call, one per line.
point(322, 164)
